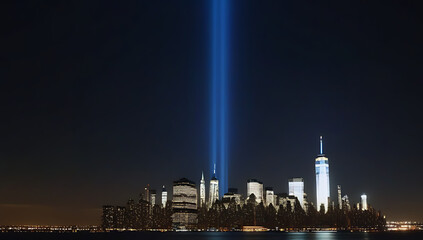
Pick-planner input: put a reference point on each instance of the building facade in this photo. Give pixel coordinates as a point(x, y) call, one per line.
point(322, 179)
point(255, 187)
point(146, 195)
point(364, 202)
point(202, 191)
point(184, 204)
point(214, 189)
point(270, 196)
point(153, 197)
point(108, 218)
point(113, 217)
point(285, 200)
point(164, 196)
point(346, 203)
point(296, 188)
point(232, 194)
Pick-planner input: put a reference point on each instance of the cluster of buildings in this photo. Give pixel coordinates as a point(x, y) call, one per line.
point(187, 199)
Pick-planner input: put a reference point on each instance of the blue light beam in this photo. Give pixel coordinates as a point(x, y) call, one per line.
point(219, 91)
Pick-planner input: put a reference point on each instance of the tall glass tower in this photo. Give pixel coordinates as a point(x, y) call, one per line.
point(296, 188)
point(164, 196)
point(322, 179)
point(202, 191)
point(214, 188)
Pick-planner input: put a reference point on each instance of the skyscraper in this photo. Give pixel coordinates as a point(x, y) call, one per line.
point(339, 197)
point(255, 187)
point(296, 188)
point(233, 194)
point(202, 191)
point(108, 218)
point(120, 217)
point(346, 203)
point(184, 203)
point(152, 197)
point(305, 202)
point(363, 202)
point(214, 188)
point(322, 179)
point(147, 193)
point(270, 196)
point(164, 196)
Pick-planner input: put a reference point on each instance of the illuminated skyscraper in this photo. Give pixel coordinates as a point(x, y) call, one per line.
point(339, 197)
point(232, 194)
point(202, 191)
point(270, 196)
point(184, 204)
point(363, 202)
point(255, 187)
point(214, 188)
point(164, 196)
point(152, 197)
point(346, 202)
point(322, 179)
point(296, 188)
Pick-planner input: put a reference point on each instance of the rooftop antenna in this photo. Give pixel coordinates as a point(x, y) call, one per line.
point(321, 145)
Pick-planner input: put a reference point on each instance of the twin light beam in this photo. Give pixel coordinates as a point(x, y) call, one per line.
point(219, 89)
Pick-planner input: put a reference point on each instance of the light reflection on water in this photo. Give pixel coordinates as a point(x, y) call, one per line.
point(213, 236)
point(286, 236)
point(271, 236)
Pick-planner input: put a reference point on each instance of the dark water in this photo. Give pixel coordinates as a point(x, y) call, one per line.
point(214, 236)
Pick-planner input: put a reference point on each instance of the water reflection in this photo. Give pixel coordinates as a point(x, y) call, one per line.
point(324, 235)
point(270, 236)
point(281, 236)
point(215, 236)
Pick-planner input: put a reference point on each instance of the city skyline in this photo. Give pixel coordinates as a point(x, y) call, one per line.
point(99, 100)
point(261, 208)
point(296, 188)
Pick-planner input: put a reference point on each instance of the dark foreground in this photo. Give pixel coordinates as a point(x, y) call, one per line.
point(215, 236)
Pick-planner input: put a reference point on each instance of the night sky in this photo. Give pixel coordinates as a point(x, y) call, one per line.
point(98, 99)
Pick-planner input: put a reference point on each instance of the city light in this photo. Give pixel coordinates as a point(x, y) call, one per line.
point(219, 92)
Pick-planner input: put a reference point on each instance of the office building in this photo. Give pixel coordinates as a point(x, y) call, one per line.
point(146, 195)
point(255, 187)
point(113, 217)
point(164, 196)
point(285, 200)
point(270, 196)
point(346, 203)
point(202, 191)
point(296, 188)
point(108, 218)
point(305, 202)
point(232, 194)
point(214, 188)
point(339, 197)
point(184, 204)
point(152, 197)
point(120, 214)
point(322, 179)
point(363, 202)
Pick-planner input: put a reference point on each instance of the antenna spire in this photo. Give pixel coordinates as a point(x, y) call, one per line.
point(321, 145)
point(214, 169)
